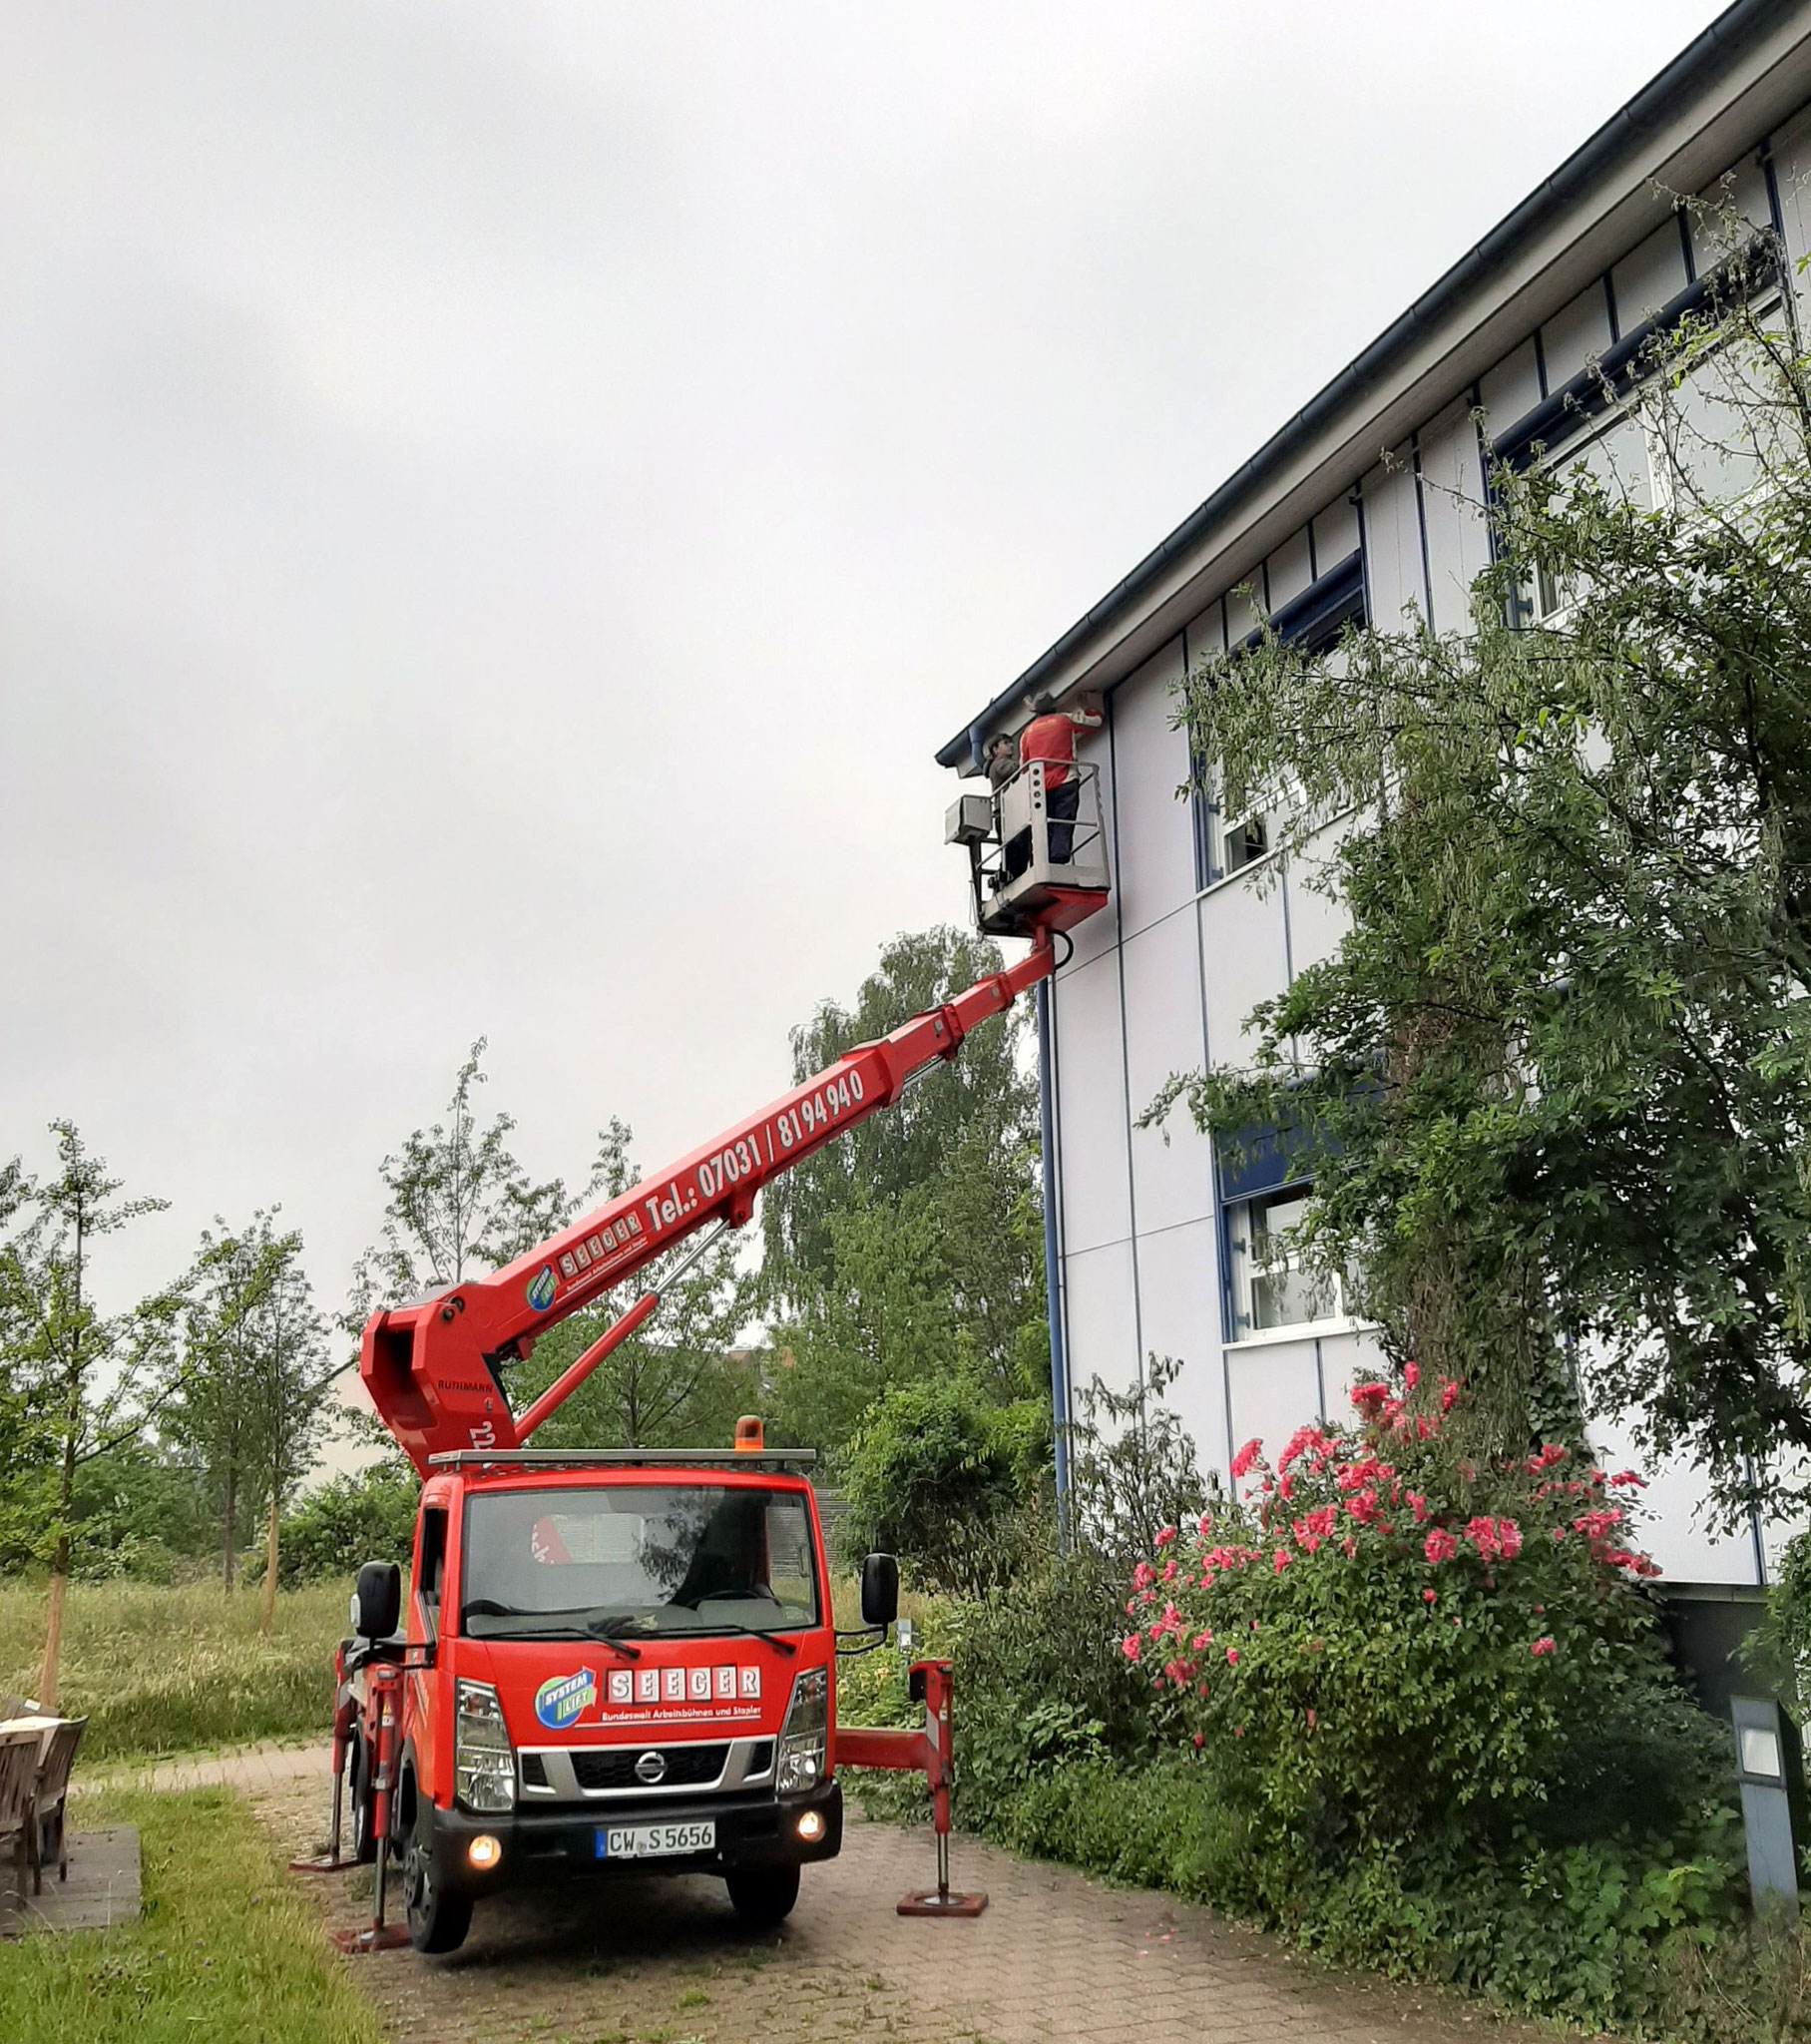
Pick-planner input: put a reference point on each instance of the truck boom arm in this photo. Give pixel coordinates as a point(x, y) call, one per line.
point(434, 1369)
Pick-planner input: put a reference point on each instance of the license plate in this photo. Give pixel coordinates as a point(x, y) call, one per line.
point(654, 1841)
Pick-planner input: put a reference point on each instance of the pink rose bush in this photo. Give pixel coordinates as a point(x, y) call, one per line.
point(1425, 1641)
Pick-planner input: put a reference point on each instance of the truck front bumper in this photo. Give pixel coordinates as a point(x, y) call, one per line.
point(561, 1844)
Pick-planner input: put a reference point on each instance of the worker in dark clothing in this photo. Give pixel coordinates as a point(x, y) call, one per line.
point(1002, 760)
point(1052, 739)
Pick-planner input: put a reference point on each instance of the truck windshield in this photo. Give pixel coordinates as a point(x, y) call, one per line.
point(632, 1561)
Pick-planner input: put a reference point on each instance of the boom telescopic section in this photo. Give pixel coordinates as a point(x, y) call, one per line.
point(434, 1369)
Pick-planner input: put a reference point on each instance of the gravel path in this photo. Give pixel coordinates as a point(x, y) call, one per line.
point(1055, 1957)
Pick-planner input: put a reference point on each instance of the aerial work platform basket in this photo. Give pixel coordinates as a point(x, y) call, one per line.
point(1037, 849)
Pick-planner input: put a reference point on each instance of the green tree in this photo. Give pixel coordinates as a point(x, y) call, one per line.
point(254, 1378)
point(458, 1202)
point(1554, 1085)
point(293, 1389)
point(680, 1380)
point(913, 1246)
point(76, 1373)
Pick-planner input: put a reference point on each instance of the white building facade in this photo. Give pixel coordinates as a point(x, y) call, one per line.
point(1367, 504)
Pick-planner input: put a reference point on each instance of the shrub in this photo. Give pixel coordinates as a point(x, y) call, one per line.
point(1432, 1702)
point(347, 1521)
point(943, 1478)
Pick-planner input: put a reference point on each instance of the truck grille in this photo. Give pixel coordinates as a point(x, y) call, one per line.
point(613, 1766)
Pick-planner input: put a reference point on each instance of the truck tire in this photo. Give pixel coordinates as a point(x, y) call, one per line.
point(763, 1895)
point(438, 1920)
point(360, 1802)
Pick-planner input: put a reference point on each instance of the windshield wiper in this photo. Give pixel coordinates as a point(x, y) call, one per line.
point(597, 1629)
point(747, 1632)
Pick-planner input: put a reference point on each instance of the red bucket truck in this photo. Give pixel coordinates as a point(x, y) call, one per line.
point(627, 1660)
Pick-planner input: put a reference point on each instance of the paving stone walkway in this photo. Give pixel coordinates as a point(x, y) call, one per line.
point(1055, 1957)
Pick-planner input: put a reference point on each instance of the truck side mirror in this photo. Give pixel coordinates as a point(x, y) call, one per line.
point(377, 1600)
point(879, 1590)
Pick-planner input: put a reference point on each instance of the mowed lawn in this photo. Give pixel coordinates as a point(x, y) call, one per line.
point(160, 1670)
point(227, 1949)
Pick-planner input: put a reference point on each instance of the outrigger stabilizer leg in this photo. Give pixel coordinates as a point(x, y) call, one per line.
point(330, 1861)
point(377, 1935)
point(930, 1752)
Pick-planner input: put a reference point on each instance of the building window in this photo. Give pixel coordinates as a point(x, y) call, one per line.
point(1314, 621)
point(1272, 1286)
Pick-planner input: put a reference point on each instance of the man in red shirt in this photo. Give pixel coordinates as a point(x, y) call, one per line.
point(1051, 737)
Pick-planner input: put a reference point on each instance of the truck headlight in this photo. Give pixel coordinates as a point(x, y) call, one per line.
point(484, 1761)
point(806, 1735)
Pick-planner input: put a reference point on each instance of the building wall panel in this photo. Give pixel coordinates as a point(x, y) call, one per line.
point(1335, 534)
point(1100, 1316)
point(1091, 1105)
point(1513, 388)
point(1575, 334)
point(1286, 571)
point(1153, 847)
point(1274, 1388)
point(1650, 277)
point(1179, 1293)
point(1172, 1181)
point(1242, 942)
point(1317, 922)
point(1393, 543)
point(1452, 494)
point(1667, 1518)
point(1743, 191)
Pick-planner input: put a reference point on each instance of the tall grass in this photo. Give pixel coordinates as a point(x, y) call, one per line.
point(227, 1951)
point(159, 1669)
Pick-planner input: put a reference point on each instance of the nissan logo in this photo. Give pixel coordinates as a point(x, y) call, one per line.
point(651, 1769)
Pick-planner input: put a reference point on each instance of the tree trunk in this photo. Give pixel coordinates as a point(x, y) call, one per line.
point(53, 1629)
point(268, 1604)
point(59, 1567)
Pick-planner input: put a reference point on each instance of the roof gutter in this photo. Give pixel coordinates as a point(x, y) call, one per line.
point(1708, 57)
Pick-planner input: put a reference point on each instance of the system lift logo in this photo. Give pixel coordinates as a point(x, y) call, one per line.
point(560, 1700)
point(540, 1288)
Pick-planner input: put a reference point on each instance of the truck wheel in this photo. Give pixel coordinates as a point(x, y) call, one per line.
point(763, 1895)
point(360, 1803)
point(438, 1921)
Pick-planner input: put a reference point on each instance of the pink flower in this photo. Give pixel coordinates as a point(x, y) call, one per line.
point(1418, 1504)
point(1482, 1533)
point(1440, 1545)
point(1132, 1646)
point(1625, 1477)
point(1544, 1645)
point(1430, 1597)
point(1204, 1525)
point(1411, 1374)
point(1508, 1539)
point(1348, 1546)
point(1232, 1657)
point(1242, 1462)
point(1200, 1640)
point(1143, 1574)
point(1370, 1398)
point(1449, 1394)
point(1200, 1738)
point(1311, 1719)
point(1166, 1534)
point(1169, 1570)
point(1282, 1560)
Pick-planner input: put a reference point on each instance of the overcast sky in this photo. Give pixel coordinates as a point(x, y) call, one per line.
point(500, 503)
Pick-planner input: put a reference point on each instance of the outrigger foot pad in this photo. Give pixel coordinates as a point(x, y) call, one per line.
point(940, 1902)
point(374, 1938)
point(321, 1862)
